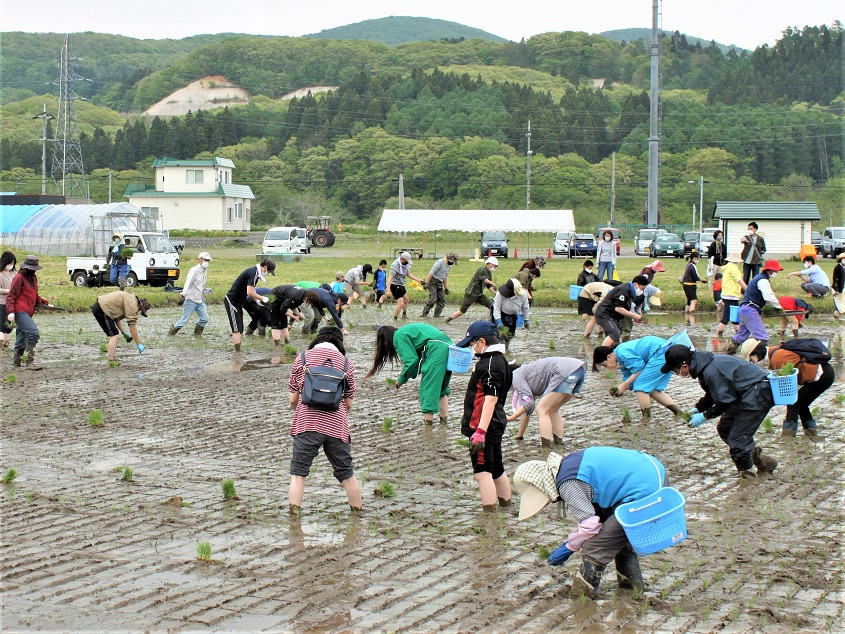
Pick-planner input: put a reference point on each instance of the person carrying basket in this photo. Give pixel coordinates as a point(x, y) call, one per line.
point(591, 483)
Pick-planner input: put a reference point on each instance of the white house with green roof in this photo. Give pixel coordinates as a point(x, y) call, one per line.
point(194, 194)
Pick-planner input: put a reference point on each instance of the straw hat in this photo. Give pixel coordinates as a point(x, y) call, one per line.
point(748, 346)
point(535, 482)
point(736, 258)
point(840, 256)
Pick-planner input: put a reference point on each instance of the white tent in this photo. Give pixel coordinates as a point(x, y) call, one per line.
point(473, 220)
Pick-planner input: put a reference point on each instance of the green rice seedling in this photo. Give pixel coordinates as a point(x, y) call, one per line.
point(609, 374)
point(614, 391)
point(114, 364)
point(387, 424)
point(583, 597)
point(787, 369)
point(128, 474)
point(10, 476)
point(767, 425)
point(390, 382)
point(228, 487)
point(686, 416)
point(12, 378)
point(505, 331)
point(626, 414)
point(552, 344)
point(385, 489)
point(543, 552)
point(203, 551)
point(95, 418)
point(462, 442)
point(290, 350)
point(839, 398)
point(815, 411)
point(104, 347)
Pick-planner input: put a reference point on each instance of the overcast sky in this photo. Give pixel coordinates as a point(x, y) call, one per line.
point(746, 23)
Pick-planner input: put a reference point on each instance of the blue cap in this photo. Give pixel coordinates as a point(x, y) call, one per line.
point(478, 329)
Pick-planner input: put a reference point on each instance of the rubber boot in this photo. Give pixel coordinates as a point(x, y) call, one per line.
point(587, 581)
point(810, 428)
point(645, 416)
point(262, 331)
point(198, 330)
point(173, 330)
point(787, 433)
point(557, 441)
point(16, 360)
point(545, 443)
point(30, 360)
point(249, 331)
point(747, 474)
point(504, 502)
point(764, 463)
point(628, 572)
point(676, 411)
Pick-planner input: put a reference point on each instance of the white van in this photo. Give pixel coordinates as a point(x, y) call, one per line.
point(285, 240)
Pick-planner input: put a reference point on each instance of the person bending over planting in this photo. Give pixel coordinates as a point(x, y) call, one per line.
point(591, 483)
point(484, 420)
point(111, 309)
point(735, 391)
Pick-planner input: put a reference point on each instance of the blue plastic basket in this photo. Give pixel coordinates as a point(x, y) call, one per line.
point(784, 388)
point(459, 359)
point(655, 522)
point(734, 316)
point(574, 290)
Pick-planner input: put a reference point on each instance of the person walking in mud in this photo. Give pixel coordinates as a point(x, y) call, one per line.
point(117, 262)
point(380, 282)
point(8, 262)
point(313, 429)
point(354, 279)
point(192, 296)
point(641, 362)
point(20, 305)
point(111, 309)
point(474, 294)
point(438, 286)
point(618, 303)
point(553, 382)
point(735, 391)
point(758, 293)
point(243, 287)
point(690, 281)
point(423, 351)
point(484, 419)
point(399, 270)
point(510, 302)
point(591, 483)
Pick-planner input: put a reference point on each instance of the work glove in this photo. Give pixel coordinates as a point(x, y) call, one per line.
point(696, 420)
point(498, 323)
point(265, 299)
point(477, 441)
point(141, 348)
point(525, 325)
point(181, 300)
point(560, 555)
point(126, 337)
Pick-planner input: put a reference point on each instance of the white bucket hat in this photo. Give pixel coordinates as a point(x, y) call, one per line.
point(535, 482)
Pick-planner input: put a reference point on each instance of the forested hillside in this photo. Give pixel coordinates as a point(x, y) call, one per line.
point(452, 116)
point(402, 29)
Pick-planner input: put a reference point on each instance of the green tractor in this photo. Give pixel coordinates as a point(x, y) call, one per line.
point(319, 231)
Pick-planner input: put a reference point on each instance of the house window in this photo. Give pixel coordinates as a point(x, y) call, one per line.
point(193, 176)
point(151, 212)
point(248, 215)
point(229, 215)
point(239, 210)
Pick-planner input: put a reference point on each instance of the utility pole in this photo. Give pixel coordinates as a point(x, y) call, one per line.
point(653, 136)
point(45, 116)
point(528, 169)
point(401, 192)
point(612, 186)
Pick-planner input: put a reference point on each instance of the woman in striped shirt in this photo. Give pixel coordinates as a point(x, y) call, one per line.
point(312, 428)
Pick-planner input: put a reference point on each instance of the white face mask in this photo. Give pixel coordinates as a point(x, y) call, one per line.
point(639, 292)
point(204, 264)
point(807, 265)
point(751, 232)
point(607, 238)
point(774, 275)
point(589, 270)
point(718, 238)
point(10, 267)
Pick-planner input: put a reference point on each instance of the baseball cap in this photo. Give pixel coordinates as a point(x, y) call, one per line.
point(205, 256)
point(657, 266)
point(405, 256)
point(492, 260)
point(478, 329)
point(271, 266)
point(675, 357)
point(772, 265)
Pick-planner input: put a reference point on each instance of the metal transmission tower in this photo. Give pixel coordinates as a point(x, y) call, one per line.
point(654, 134)
point(67, 175)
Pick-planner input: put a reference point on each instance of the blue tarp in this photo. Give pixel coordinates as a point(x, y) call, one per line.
point(13, 217)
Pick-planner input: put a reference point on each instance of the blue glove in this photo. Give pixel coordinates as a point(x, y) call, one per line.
point(696, 420)
point(127, 337)
point(560, 555)
point(141, 348)
point(498, 323)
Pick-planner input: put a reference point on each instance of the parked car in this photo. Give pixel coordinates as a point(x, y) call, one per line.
point(706, 239)
point(833, 241)
point(690, 241)
point(616, 239)
point(666, 244)
point(816, 240)
point(285, 240)
point(583, 245)
point(645, 237)
point(560, 245)
point(494, 243)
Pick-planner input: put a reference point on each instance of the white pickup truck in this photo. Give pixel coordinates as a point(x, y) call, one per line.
point(155, 261)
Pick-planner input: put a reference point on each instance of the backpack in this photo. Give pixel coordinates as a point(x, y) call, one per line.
point(811, 350)
point(324, 385)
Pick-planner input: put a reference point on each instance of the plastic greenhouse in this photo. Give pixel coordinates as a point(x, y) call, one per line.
point(67, 229)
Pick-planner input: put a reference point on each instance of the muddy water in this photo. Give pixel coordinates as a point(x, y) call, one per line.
point(86, 550)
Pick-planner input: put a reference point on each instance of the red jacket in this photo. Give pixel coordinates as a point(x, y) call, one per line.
point(23, 295)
